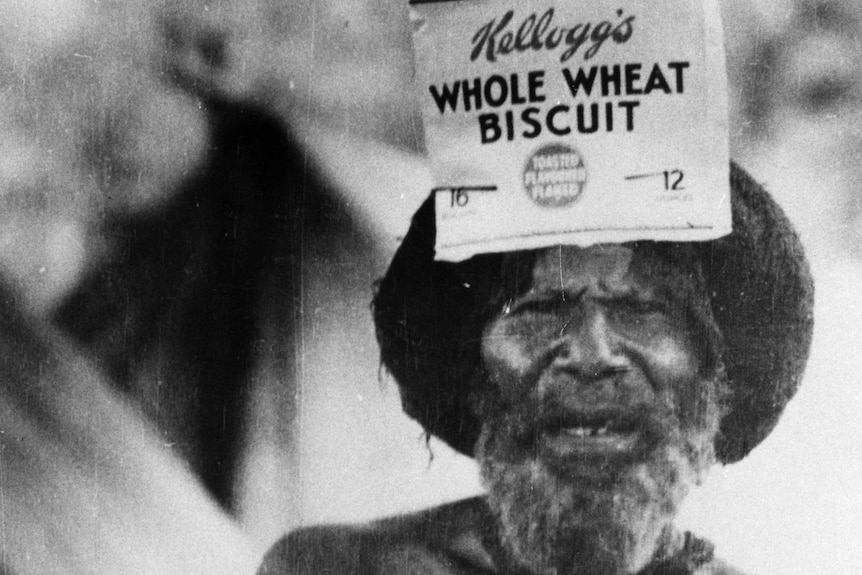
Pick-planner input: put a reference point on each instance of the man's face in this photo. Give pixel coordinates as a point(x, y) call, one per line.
point(595, 422)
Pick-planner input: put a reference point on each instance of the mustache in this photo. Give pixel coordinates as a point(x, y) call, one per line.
point(533, 416)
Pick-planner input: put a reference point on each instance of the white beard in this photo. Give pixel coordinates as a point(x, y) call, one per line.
point(551, 523)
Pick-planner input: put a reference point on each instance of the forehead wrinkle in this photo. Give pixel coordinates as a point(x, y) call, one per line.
point(570, 276)
point(612, 290)
point(567, 294)
point(624, 285)
point(543, 261)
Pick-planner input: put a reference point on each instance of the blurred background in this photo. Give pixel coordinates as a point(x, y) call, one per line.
point(113, 114)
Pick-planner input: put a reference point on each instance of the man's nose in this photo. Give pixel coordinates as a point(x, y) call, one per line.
point(588, 347)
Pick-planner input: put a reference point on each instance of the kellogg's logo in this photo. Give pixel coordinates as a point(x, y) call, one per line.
point(555, 176)
point(501, 37)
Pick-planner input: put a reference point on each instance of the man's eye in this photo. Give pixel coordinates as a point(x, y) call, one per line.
point(640, 306)
point(634, 312)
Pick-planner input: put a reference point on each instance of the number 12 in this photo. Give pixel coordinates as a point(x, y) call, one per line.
point(673, 180)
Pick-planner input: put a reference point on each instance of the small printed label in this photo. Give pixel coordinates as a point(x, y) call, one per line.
point(555, 176)
point(591, 121)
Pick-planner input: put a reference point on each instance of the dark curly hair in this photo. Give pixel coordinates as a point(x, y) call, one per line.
point(757, 321)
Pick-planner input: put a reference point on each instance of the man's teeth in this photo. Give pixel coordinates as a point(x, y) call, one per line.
point(586, 431)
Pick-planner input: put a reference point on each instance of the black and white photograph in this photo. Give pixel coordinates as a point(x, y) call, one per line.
point(383, 287)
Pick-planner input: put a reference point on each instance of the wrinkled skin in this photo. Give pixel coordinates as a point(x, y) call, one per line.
point(592, 429)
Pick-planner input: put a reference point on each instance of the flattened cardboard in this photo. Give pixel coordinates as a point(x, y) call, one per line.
point(573, 123)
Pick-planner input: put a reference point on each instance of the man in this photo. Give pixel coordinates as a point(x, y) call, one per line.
point(595, 387)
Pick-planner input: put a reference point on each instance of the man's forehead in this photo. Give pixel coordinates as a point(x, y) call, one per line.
point(608, 266)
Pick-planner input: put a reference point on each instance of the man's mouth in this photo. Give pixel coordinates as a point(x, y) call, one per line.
point(605, 433)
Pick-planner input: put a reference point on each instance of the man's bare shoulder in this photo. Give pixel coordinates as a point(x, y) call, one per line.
point(443, 540)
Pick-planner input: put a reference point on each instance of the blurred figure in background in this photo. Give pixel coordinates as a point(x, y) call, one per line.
point(160, 213)
point(127, 163)
point(802, 114)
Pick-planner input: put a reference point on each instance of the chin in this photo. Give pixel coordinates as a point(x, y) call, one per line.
point(569, 520)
